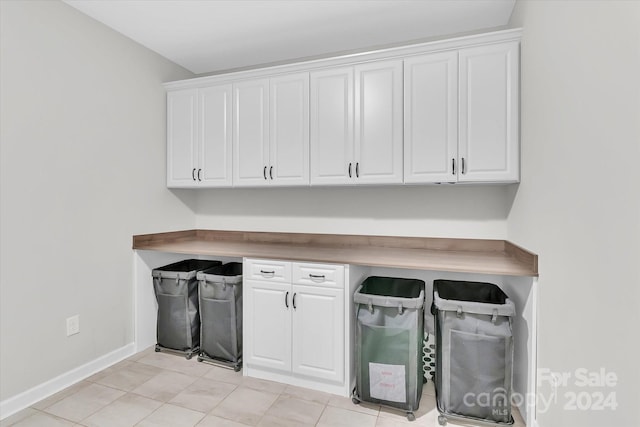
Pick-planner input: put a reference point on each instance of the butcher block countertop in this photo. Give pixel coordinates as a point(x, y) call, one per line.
point(423, 253)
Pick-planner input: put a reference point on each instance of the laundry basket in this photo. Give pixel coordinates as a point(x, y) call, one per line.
point(220, 294)
point(389, 333)
point(474, 351)
point(176, 289)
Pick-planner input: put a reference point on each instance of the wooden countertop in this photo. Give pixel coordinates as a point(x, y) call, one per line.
point(422, 253)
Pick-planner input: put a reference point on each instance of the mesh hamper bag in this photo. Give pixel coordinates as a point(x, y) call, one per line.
point(474, 351)
point(176, 289)
point(389, 333)
point(220, 294)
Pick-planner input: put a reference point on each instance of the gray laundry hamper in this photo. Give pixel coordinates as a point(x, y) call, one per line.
point(389, 333)
point(220, 294)
point(176, 289)
point(474, 351)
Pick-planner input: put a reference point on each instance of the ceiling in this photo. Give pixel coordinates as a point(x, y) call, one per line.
point(206, 36)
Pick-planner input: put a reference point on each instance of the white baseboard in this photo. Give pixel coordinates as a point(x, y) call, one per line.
point(27, 398)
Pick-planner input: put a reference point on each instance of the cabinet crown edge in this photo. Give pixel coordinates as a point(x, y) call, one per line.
point(408, 50)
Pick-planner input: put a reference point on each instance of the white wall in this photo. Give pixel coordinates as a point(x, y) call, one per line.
point(82, 170)
point(578, 205)
point(429, 211)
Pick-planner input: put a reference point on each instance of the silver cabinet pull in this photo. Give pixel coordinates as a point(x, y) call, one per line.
point(453, 166)
point(271, 172)
point(193, 174)
point(286, 299)
point(349, 170)
point(264, 172)
point(357, 169)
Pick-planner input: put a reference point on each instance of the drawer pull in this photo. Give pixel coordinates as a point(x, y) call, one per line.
point(267, 273)
point(317, 277)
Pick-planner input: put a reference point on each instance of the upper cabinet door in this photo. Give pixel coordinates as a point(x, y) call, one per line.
point(431, 118)
point(251, 133)
point(378, 122)
point(289, 127)
point(489, 104)
point(332, 127)
point(182, 156)
point(215, 136)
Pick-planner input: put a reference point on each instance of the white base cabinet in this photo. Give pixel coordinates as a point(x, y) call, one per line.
point(294, 324)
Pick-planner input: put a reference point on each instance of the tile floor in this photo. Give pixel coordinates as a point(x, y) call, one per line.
point(160, 389)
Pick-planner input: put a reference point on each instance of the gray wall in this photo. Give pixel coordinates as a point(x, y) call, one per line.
point(578, 205)
point(82, 170)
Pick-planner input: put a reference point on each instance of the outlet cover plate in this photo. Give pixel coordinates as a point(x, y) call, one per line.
point(73, 325)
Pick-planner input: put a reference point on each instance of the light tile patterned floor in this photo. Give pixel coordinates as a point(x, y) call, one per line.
point(159, 389)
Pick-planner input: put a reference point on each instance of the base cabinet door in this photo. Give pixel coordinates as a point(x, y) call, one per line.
point(318, 332)
point(267, 325)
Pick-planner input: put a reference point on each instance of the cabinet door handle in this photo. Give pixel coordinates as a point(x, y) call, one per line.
point(317, 277)
point(349, 170)
point(271, 172)
point(453, 165)
point(463, 171)
point(193, 174)
point(264, 172)
point(357, 169)
point(268, 273)
point(286, 299)
point(294, 300)
point(199, 170)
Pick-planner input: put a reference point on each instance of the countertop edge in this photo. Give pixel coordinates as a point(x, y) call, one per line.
point(483, 256)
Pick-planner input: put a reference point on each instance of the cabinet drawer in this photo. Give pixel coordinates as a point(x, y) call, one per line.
point(269, 270)
point(318, 274)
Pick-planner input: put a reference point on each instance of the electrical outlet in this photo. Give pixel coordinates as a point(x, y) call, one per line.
point(73, 325)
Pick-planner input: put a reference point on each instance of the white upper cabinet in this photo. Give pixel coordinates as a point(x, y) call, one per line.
point(332, 152)
point(439, 112)
point(181, 138)
point(215, 136)
point(461, 115)
point(251, 132)
point(289, 126)
point(356, 124)
point(378, 123)
point(199, 137)
point(271, 138)
point(431, 118)
point(489, 147)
